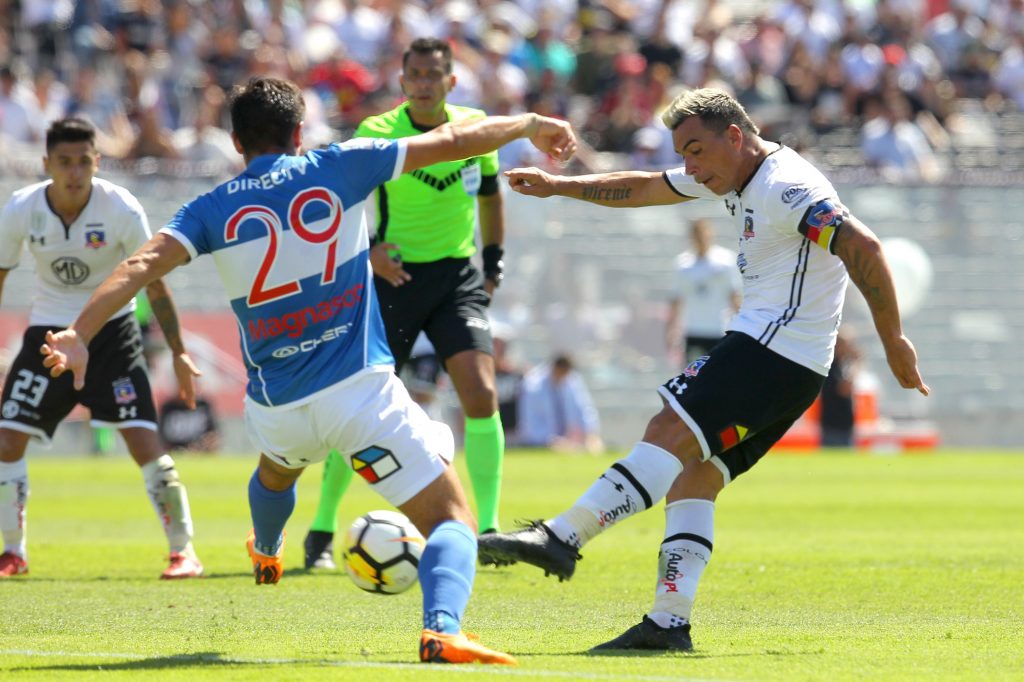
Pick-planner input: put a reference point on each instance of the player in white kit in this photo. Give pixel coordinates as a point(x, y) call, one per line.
point(289, 239)
point(78, 229)
point(707, 293)
point(798, 247)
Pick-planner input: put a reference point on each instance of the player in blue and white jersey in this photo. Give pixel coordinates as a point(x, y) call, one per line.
point(78, 228)
point(798, 248)
point(290, 241)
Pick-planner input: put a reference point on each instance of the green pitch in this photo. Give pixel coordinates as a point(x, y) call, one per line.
point(831, 567)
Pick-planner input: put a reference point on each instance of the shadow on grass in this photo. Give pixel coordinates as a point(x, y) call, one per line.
point(199, 660)
point(690, 655)
point(224, 575)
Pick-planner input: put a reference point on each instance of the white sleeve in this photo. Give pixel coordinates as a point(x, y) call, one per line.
point(684, 185)
point(136, 225)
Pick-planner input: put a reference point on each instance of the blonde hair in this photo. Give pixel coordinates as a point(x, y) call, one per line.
point(715, 108)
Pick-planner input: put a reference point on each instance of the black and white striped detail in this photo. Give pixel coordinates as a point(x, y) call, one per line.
point(689, 537)
point(796, 290)
point(640, 489)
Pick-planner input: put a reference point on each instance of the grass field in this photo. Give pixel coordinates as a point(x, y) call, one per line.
point(832, 567)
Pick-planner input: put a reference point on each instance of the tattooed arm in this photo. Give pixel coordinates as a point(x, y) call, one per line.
point(167, 315)
point(622, 189)
point(861, 252)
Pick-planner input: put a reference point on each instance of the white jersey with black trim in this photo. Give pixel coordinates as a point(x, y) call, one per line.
point(788, 215)
point(71, 260)
point(289, 239)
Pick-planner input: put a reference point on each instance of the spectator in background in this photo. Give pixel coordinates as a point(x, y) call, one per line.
point(19, 109)
point(94, 100)
point(837, 415)
point(708, 290)
point(652, 148)
point(555, 409)
point(152, 138)
point(893, 143)
point(204, 141)
point(1009, 73)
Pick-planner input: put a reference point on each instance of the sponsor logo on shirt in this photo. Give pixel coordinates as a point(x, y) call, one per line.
point(794, 194)
point(294, 323)
point(70, 270)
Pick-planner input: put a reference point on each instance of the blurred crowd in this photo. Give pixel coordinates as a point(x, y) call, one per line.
point(153, 75)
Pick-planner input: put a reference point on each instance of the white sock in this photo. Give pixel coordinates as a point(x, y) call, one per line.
point(13, 500)
point(170, 500)
point(631, 485)
point(685, 553)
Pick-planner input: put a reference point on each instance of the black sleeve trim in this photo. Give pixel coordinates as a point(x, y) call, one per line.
point(664, 176)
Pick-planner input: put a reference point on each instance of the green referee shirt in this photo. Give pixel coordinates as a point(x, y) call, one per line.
point(431, 212)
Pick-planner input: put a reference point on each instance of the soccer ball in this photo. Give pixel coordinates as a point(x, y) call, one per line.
point(382, 552)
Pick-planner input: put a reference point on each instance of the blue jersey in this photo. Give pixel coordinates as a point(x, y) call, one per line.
point(290, 242)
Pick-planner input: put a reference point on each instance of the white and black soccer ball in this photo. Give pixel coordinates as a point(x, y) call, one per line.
point(382, 552)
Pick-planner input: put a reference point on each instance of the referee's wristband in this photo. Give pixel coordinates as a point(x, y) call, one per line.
point(494, 266)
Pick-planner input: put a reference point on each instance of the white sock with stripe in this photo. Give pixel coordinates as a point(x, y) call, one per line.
point(13, 499)
point(631, 485)
point(685, 553)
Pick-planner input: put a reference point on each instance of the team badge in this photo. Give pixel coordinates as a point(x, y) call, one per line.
point(375, 464)
point(124, 391)
point(732, 435)
point(94, 239)
point(693, 368)
point(748, 228)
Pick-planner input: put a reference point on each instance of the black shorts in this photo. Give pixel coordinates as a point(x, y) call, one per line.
point(740, 400)
point(445, 299)
point(116, 389)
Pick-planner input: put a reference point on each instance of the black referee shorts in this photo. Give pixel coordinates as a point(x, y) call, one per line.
point(445, 299)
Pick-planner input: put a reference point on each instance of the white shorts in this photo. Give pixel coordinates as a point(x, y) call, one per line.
point(370, 419)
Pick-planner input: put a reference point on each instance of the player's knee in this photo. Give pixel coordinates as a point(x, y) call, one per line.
point(12, 445)
point(669, 432)
point(275, 477)
point(441, 500)
point(700, 482)
point(480, 401)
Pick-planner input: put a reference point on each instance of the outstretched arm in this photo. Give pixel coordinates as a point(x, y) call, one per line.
point(477, 136)
point(167, 315)
point(861, 252)
point(67, 350)
point(623, 189)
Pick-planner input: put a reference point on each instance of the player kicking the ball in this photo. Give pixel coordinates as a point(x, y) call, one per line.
point(798, 247)
point(78, 228)
point(289, 239)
